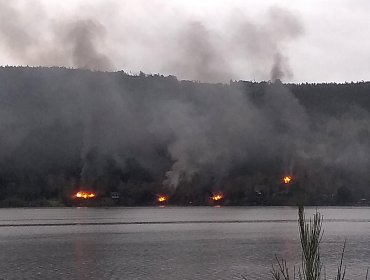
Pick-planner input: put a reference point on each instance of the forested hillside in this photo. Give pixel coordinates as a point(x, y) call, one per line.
point(63, 130)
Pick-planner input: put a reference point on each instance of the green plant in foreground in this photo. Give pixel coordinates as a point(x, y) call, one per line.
point(311, 234)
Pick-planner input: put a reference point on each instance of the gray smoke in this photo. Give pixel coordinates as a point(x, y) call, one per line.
point(16, 30)
point(57, 118)
point(264, 43)
point(203, 128)
point(206, 131)
point(210, 55)
point(82, 39)
point(198, 55)
point(33, 39)
point(190, 49)
point(280, 69)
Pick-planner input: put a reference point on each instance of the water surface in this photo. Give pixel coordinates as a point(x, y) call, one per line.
point(171, 243)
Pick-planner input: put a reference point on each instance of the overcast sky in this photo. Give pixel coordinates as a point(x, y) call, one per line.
point(214, 40)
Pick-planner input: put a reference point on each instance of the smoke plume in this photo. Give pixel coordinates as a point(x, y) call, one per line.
point(34, 39)
point(165, 130)
point(189, 48)
point(169, 131)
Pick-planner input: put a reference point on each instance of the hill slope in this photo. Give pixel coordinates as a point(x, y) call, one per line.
point(64, 129)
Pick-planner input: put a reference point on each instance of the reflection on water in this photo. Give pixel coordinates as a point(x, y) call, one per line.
point(170, 243)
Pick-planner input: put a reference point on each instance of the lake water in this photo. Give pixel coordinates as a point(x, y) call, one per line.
point(172, 242)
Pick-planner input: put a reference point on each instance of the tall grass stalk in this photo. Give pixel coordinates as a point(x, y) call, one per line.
point(341, 272)
point(311, 234)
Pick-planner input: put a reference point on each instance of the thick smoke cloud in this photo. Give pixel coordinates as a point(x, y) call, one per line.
point(188, 48)
point(34, 39)
point(204, 128)
point(199, 53)
point(16, 30)
point(264, 43)
point(53, 118)
point(82, 39)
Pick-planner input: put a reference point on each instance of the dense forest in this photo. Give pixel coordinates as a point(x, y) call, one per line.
point(128, 138)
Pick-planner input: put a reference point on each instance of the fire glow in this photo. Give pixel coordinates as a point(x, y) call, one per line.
point(287, 179)
point(217, 197)
point(161, 198)
point(84, 195)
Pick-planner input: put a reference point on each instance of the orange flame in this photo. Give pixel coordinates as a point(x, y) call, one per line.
point(287, 179)
point(84, 195)
point(217, 197)
point(161, 198)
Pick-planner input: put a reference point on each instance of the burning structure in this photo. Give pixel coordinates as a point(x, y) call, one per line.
point(287, 179)
point(161, 199)
point(216, 199)
point(84, 195)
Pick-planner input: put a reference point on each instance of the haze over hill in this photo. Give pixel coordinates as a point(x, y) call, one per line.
point(204, 40)
point(140, 135)
point(66, 129)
